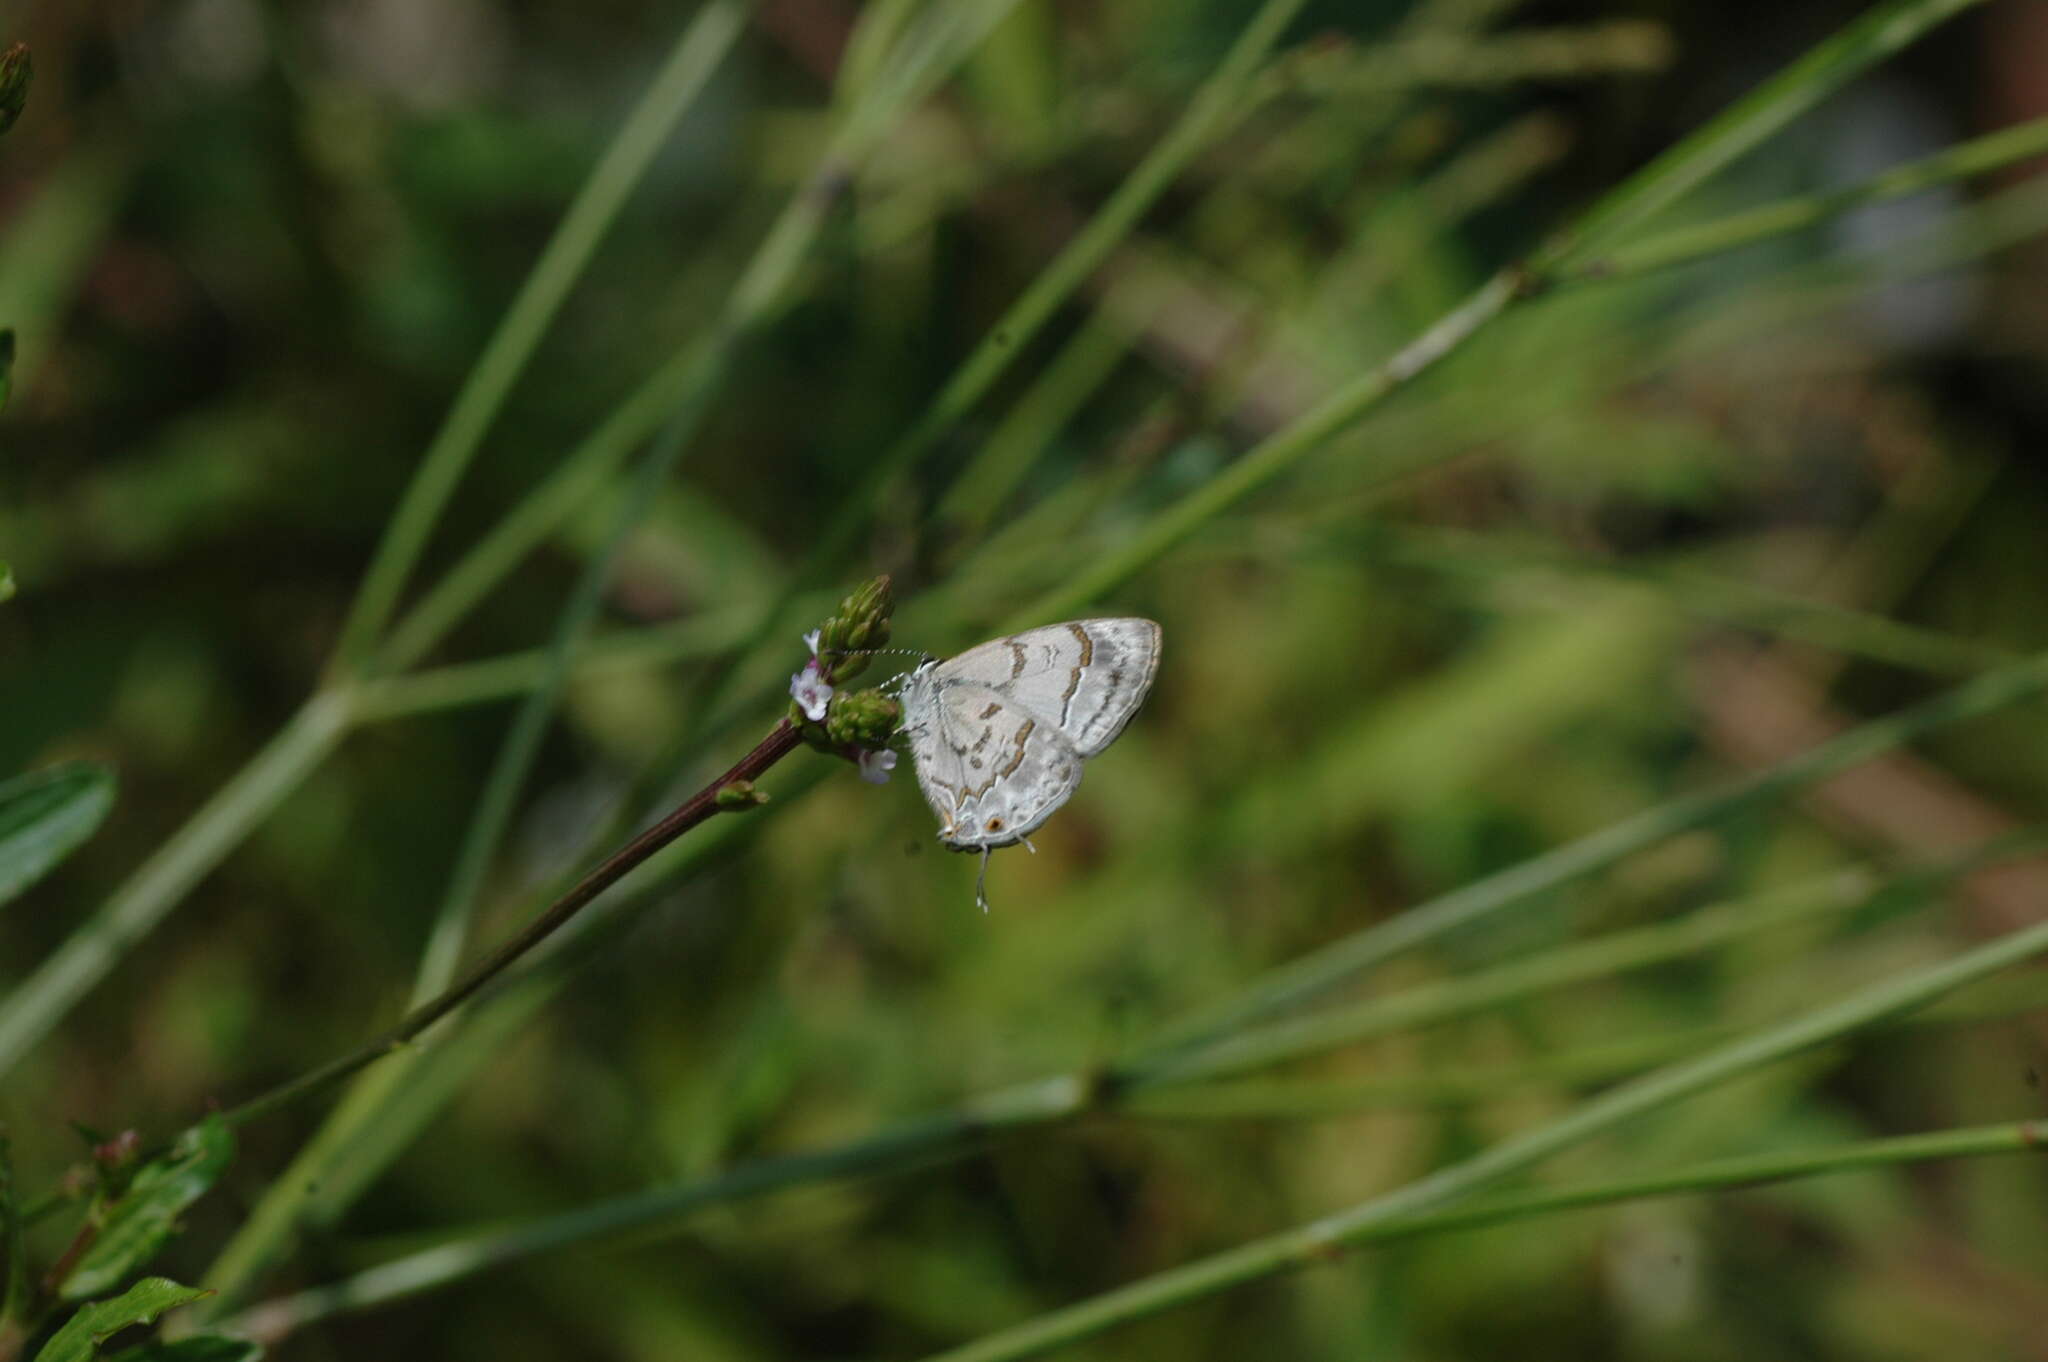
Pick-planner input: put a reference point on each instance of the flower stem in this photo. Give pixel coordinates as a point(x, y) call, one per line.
point(779, 743)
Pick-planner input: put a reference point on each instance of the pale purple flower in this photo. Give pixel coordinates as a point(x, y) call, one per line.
point(811, 691)
point(876, 766)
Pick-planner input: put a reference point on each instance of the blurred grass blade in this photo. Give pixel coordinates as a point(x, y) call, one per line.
point(1215, 107)
point(703, 46)
point(1274, 455)
point(79, 1339)
point(1883, 31)
point(758, 296)
point(1302, 980)
point(929, 54)
point(45, 816)
point(1965, 160)
point(6, 392)
point(1702, 592)
point(32, 1007)
point(1752, 1170)
point(1484, 989)
point(192, 1348)
point(1316, 1240)
point(143, 1218)
point(902, 1146)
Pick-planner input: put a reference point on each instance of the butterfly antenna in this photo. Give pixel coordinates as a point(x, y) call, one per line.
point(981, 881)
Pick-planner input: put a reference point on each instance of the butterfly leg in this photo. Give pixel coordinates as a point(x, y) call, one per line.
point(981, 881)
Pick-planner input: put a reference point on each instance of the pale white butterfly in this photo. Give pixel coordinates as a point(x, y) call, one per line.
point(999, 734)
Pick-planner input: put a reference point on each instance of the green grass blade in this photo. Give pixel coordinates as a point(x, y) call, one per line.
point(1883, 31)
point(1993, 151)
point(899, 1147)
point(758, 296)
point(1298, 982)
point(1215, 107)
point(703, 46)
point(1316, 1240)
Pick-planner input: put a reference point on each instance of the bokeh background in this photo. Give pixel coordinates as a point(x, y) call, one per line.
point(1640, 538)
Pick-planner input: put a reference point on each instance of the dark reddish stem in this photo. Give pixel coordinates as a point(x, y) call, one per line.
point(773, 748)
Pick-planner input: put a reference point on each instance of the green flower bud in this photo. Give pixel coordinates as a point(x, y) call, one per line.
point(862, 718)
point(862, 622)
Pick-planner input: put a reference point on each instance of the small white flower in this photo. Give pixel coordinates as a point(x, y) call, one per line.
point(811, 693)
point(876, 766)
point(811, 641)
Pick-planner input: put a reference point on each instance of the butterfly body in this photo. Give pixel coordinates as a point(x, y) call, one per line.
point(1000, 733)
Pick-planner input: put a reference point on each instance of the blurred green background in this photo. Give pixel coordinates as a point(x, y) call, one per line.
point(1637, 538)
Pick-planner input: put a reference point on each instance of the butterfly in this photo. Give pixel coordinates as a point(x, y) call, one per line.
point(1000, 733)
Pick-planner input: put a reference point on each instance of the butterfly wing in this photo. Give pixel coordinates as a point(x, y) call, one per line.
point(991, 770)
point(1085, 678)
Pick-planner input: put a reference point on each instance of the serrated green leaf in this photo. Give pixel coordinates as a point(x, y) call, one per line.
point(137, 1224)
point(197, 1348)
point(44, 816)
point(80, 1338)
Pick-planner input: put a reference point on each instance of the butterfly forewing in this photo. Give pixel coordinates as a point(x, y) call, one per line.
point(1087, 677)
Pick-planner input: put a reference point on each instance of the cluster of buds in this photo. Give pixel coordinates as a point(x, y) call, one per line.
point(856, 725)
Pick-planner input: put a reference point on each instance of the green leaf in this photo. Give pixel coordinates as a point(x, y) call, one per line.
point(46, 814)
point(6, 572)
point(16, 70)
point(139, 1222)
point(197, 1348)
point(79, 1339)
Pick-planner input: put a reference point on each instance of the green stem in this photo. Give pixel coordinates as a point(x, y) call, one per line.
point(1215, 107)
point(900, 1147)
point(1718, 1175)
point(771, 749)
point(1582, 962)
point(1683, 245)
point(1433, 1004)
point(1275, 455)
point(1884, 30)
point(1303, 979)
point(1708, 594)
point(1318, 1239)
point(1050, 1101)
point(757, 298)
point(762, 291)
point(702, 47)
point(263, 1233)
point(36, 1005)
point(574, 480)
point(513, 674)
